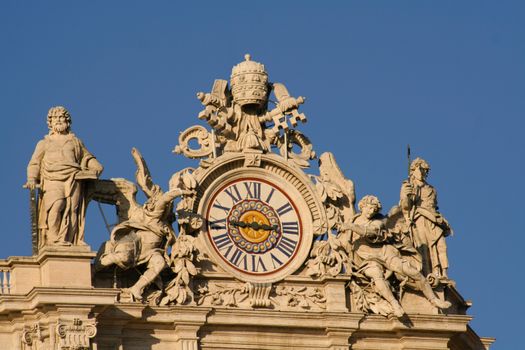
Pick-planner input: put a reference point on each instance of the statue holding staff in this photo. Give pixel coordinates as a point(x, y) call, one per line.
point(418, 200)
point(57, 168)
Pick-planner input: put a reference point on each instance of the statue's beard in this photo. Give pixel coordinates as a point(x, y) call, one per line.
point(60, 128)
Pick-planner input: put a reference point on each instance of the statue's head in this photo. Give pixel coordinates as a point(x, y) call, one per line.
point(369, 206)
point(419, 169)
point(58, 120)
point(249, 83)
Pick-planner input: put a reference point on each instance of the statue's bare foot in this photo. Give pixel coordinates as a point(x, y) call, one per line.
point(397, 309)
point(441, 304)
point(135, 295)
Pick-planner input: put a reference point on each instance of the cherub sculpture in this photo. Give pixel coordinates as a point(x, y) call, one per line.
point(144, 232)
point(377, 254)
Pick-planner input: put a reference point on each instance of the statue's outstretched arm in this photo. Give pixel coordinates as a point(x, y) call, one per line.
point(362, 230)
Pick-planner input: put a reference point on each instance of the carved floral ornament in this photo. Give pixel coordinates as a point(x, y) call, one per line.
point(255, 210)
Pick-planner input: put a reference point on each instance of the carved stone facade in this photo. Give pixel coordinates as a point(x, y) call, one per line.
point(254, 248)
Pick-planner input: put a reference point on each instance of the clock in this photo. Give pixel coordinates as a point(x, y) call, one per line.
point(254, 226)
point(259, 221)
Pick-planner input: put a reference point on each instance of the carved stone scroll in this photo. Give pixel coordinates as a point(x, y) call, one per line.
point(32, 337)
point(297, 138)
point(259, 294)
point(203, 138)
point(75, 335)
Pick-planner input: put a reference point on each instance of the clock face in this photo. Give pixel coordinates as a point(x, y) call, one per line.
point(253, 226)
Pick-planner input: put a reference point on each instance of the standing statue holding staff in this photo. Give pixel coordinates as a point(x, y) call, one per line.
point(59, 164)
point(418, 201)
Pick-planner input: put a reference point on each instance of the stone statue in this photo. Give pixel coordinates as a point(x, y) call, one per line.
point(240, 115)
point(418, 201)
point(58, 167)
point(329, 257)
point(145, 232)
point(376, 256)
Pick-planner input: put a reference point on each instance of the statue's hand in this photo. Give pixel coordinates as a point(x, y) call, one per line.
point(406, 189)
point(30, 184)
point(188, 192)
point(288, 104)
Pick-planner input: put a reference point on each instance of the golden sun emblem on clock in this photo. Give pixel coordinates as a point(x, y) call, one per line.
point(254, 226)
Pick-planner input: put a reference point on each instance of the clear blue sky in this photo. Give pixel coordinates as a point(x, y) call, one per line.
point(448, 77)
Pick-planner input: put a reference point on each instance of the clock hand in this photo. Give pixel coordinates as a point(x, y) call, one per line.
point(254, 225)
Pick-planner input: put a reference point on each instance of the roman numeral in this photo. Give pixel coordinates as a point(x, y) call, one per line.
point(284, 209)
point(219, 224)
point(270, 195)
point(257, 263)
point(253, 189)
point(286, 246)
point(222, 241)
point(275, 260)
point(291, 228)
point(234, 194)
point(236, 260)
point(218, 206)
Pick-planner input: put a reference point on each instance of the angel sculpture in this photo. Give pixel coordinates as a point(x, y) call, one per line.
point(377, 254)
point(144, 232)
point(337, 193)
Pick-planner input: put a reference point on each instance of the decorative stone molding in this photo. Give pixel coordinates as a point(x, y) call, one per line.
point(32, 337)
point(253, 159)
point(222, 294)
point(304, 298)
point(204, 139)
point(259, 294)
point(75, 335)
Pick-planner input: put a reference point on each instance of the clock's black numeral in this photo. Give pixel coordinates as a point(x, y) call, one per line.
point(257, 264)
point(286, 246)
point(284, 209)
point(221, 207)
point(270, 196)
point(218, 224)
point(236, 256)
point(291, 228)
point(253, 189)
point(222, 241)
point(276, 261)
point(234, 193)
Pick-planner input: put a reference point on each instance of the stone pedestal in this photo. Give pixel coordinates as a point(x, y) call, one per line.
point(65, 266)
